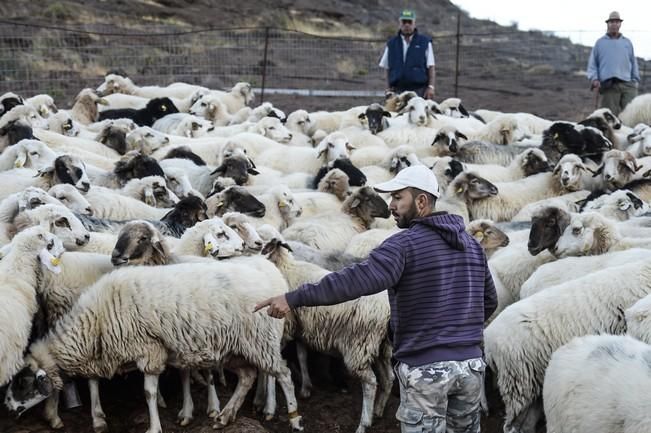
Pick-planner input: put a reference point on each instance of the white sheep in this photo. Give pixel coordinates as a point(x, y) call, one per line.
point(569, 202)
point(63, 123)
point(281, 208)
point(110, 204)
point(520, 340)
point(619, 205)
point(287, 158)
point(59, 220)
point(332, 231)
point(183, 125)
point(641, 146)
point(362, 244)
point(591, 233)
point(355, 329)
point(512, 196)
point(44, 104)
point(554, 273)
point(194, 333)
point(637, 111)
point(64, 143)
point(114, 83)
point(18, 278)
point(146, 140)
point(595, 384)
point(27, 154)
point(526, 163)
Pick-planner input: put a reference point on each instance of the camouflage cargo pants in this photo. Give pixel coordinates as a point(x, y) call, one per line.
point(440, 397)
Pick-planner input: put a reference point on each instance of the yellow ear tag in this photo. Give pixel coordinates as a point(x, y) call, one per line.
point(282, 204)
point(55, 261)
point(18, 164)
point(555, 136)
point(479, 235)
point(207, 248)
point(459, 191)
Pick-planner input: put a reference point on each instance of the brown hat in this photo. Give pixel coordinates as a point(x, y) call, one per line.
point(614, 16)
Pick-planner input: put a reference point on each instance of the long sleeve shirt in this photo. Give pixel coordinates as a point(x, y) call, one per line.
point(613, 57)
point(439, 287)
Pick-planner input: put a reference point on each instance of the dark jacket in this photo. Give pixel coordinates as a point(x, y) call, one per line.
point(439, 286)
point(410, 74)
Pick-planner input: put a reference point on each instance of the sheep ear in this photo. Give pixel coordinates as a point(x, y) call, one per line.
point(252, 171)
point(463, 110)
point(386, 114)
point(599, 170)
point(160, 258)
point(631, 164)
point(581, 203)
point(286, 246)
point(438, 137)
point(21, 158)
point(269, 247)
point(219, 170)
point(195, 126)
point(362, 116)
point(150, 199)
point(45, 172)
point(44, 384)
point(646, 173)
point(460, 135)
point(556, 169)
point(321, 149)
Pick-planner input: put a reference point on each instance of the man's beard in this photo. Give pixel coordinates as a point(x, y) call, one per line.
point(405, 220)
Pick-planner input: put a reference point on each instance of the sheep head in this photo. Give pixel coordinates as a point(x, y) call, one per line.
point(547, 225)
point(140, 243)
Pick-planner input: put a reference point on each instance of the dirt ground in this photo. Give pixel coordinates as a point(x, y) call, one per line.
point(334, 407)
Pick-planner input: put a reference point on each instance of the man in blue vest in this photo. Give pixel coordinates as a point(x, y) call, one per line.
point(409, 59)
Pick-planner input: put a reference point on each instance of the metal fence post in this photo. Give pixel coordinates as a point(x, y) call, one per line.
point(456, 67)
point(264, 63)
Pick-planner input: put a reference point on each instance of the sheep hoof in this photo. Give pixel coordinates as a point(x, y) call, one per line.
point(305, 393)
point(184, 421)
point(100, 427)
point(268, 416)
point(213, 413)
point(297, 423)
point(56, 423)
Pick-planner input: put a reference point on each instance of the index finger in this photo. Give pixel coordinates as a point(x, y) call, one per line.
point(261, 305)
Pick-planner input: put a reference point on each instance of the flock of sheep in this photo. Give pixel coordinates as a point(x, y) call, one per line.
point(140, 226)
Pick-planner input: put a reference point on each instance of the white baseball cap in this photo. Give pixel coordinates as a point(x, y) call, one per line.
point(416, 176)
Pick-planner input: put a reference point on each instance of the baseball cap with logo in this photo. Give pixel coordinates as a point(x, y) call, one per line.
point(407, 15)
point(416, 176)
point(614, 16)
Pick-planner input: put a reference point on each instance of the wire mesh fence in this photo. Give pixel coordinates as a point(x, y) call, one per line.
point(508, 70)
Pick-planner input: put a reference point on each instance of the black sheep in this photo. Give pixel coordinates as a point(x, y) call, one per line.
point(155, 109)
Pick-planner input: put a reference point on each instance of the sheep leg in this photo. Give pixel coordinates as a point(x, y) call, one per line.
point(306, 381)
point(184, 416)
point(284, 377)
point(260, 392)
point(222, 376)
point(270, 405)
point(151, 395)
point(525, 421)
point(51, 410)
point(96, 411)
point(385, 378)
point(160, 400)
point(245, 378)
point(369, 387)
point(213, 401)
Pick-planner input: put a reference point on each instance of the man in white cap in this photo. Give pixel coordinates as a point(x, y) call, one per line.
point(440, 292)
point(612, 67)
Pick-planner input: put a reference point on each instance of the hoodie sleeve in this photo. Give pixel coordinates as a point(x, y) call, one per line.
point(382, 270)
point(490, 294)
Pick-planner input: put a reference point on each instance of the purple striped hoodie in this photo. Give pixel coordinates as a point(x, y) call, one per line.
point(439, 286)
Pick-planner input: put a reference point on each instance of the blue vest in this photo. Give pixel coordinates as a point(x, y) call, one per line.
point(410, 74)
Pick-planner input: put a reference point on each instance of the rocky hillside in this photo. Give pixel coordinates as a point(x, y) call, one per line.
point(495, 67)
